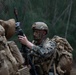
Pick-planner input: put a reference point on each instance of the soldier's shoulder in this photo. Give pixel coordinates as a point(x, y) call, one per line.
point(49, 44)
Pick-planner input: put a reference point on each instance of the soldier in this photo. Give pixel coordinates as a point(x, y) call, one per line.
point(5, 55)
point(42, 48)
point(9, 27)
point(11, 59)
point(45, 53)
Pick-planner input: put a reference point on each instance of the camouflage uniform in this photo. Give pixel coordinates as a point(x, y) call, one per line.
point(43, 56)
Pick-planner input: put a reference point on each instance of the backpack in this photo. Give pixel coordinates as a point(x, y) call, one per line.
point(63, 55)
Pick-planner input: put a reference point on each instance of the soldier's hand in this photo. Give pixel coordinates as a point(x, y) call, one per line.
point(25, 41)
point(22, 39)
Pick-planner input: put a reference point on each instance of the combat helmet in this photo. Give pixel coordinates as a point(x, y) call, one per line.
point(9, 26)
point(40, 26)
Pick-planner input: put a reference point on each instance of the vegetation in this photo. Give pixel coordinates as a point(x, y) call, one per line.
point(59, 15)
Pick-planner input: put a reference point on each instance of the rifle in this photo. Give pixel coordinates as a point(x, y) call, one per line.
point(24, 48)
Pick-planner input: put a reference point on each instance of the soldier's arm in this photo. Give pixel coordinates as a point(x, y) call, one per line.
point(25, 41)
point(30, 45)
point(49, 47)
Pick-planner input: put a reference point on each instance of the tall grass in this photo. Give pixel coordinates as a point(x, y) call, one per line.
point(48, 11)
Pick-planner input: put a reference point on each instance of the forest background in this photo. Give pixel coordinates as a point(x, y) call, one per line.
point(59, 15)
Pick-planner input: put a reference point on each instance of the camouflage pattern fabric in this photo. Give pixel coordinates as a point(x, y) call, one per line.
point(42, 56)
